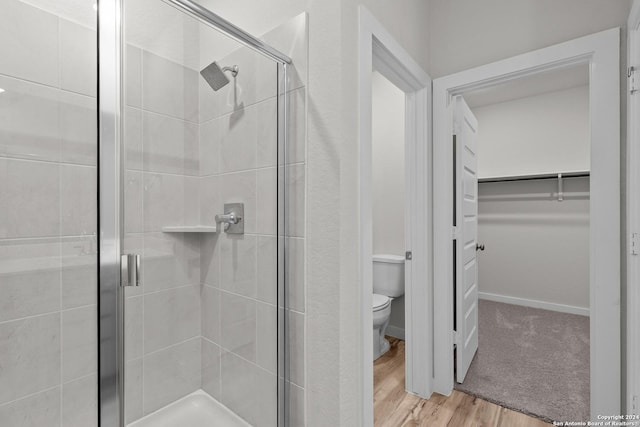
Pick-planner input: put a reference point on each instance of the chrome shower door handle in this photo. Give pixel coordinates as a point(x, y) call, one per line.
point(130, 270)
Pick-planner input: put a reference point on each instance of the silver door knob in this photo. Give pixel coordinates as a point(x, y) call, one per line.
point(479, 247)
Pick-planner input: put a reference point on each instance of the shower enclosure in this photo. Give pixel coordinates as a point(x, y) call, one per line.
point(148, 182)
point(190, 219)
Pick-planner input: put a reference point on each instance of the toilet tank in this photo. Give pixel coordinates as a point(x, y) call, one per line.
point(388, 275)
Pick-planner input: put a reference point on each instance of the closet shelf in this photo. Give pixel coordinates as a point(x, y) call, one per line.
point(190, 229)
point(575, 174)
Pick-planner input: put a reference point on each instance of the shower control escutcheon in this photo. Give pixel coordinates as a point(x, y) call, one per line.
point(232, 218)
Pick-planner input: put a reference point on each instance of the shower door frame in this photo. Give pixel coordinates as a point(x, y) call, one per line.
point(110, 197)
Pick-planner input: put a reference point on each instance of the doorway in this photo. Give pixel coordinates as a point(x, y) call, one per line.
point(380, 52)
point(600, 52)
point(522, 283)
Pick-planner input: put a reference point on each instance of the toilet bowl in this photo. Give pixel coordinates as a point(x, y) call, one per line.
point(388, 283)
point(381, 316)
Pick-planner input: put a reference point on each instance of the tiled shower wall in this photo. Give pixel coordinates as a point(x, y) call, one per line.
point(48, 345)
point(205, 316)
point(239, 159)
point(162, 344)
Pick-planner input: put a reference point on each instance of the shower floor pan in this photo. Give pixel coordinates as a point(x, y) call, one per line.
point(197, 409)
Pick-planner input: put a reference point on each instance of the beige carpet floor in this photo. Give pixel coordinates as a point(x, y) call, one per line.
point(531, 360)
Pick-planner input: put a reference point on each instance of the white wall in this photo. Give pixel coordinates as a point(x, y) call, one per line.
point(548, 133)
point(536, 250)
point(467, 33)
point(388, 167)
point(389, 180)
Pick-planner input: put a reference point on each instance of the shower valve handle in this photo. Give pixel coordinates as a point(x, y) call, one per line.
point(228, 219)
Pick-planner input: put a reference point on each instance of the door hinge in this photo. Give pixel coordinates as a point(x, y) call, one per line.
point(633, 73)
point(408, 255)
point(635, 241)
point(634, 403)
point(454, 232)
point(455, 337)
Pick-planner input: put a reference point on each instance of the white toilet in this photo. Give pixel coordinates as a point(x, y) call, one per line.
point(388, 283)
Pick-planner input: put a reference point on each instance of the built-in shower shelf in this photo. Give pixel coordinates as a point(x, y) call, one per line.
point(190, 229)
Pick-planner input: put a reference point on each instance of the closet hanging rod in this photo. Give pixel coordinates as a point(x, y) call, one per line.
point(535, 177)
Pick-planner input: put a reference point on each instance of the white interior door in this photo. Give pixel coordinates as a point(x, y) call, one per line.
point(466, 278)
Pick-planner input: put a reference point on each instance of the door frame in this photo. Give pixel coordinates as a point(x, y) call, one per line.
point(633, 219)
point(379, 51)
point(601, 51)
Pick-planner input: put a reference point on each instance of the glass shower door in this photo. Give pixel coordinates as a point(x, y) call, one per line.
point(200, 138)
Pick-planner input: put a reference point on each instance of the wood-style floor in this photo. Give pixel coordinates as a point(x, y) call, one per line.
point(393, 407)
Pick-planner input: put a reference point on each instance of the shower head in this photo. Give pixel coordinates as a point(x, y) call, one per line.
point(215, 76)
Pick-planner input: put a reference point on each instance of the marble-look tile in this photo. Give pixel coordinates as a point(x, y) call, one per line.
point(210, 203)
point(238, 140)
point(78, 202)
point(80, 402)
point(210, 260)
point(238, 386)
point(209, 147)
point(238, 325)
point(29, 120)
point(29, 277)
point(133, 76)
point(211, 368)
point(191, 200)
point(29, 43)
point(34, 216)
point(133, 324)
point(267, 117)
point(167, 141)
point(163, 202)
point(241, 188)
point(78, 129)
point(211, 313)
point(37, 410)
point(133, 138)
point(267, 337)
point(170, 260)
point(170, 317)
point(133, 390)
point(296, 406)
point(296, 348)
point(266, 390)
point(267, 201)
point(30, 354)
point(79, 342)
point(297, 127)
point(238, 264)
point(267, 275)
point(171, 373)
point(295, 201)
point(133, 201)
point(169, 88)
point(295, 273)
point(78, 52)
point(248, 390)
point(79, 271)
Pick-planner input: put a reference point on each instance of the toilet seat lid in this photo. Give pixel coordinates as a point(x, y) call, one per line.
point(380, 301)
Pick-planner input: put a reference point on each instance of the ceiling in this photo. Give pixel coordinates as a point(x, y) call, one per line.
point(537, 84)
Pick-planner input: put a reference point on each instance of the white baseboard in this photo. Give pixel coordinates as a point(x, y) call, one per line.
point(396, 332)
point(534, 303)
